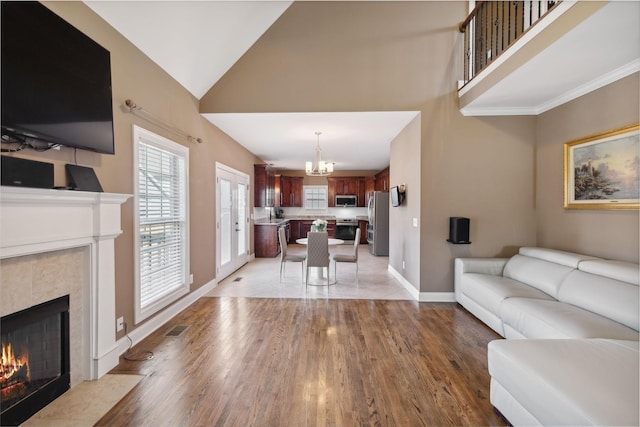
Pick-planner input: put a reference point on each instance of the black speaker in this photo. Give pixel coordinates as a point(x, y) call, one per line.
point(19, 172)
point(459, 230)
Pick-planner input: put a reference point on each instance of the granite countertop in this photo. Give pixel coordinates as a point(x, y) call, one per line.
point(273, 221)
point(279, 221)
point(311, 217)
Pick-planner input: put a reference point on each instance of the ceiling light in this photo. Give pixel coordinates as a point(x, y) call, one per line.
point(320, 168)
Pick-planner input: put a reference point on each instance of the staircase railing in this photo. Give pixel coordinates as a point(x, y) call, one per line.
point(493, 26)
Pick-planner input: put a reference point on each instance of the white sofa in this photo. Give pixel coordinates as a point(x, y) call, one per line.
point(580, 317)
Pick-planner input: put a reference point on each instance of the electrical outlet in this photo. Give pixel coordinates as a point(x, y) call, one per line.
point(191, 279)
point(119, 324)
point(403, 265)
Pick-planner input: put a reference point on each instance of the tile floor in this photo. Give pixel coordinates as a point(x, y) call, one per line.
point(260, 279)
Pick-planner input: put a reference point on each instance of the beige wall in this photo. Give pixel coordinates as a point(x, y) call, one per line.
point(479, 168)
point(382, 56)
point(135, 76)
point(404, 242)
point(603, 233)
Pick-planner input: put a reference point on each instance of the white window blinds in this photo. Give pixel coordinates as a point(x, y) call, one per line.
point(162, 222)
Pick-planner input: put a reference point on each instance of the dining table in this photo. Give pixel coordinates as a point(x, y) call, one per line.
point(332, 241)
point(319, 276)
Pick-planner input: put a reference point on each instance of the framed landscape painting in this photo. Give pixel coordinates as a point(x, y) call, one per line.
point(603, 171)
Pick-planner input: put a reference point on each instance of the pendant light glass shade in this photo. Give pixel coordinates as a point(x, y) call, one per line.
point(320, 168)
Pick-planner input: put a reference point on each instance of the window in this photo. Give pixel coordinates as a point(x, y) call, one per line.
point(315, 196)
point(161, 212)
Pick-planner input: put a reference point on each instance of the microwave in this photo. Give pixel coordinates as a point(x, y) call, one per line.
point(347, 200)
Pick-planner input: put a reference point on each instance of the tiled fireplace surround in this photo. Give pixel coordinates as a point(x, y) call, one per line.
point(54, 243)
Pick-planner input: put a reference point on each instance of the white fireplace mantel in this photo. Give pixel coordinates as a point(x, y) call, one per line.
point(35, 221)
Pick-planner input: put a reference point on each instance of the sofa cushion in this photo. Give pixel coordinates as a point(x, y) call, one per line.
point(617, 300)
point(541, 274)
point(540, 319)
point(568, 259)
point(623, 271)
point(566, 382)
point(488, 291)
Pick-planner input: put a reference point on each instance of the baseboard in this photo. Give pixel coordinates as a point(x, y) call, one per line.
point(163, 317)
point(422, 296)
point(437, 297)
point(405, 283)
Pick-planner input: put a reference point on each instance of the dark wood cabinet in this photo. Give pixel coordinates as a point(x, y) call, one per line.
point(369, 187)
point(349, 185)
point(331, 192)
point(264, 186)
point(362, 224)
point(266, 243)
point(382, 180)
point(331, 228)
point(294, 231)
point(300, 228)
point(290, 191)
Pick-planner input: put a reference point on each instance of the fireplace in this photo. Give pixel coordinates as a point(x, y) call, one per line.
point(35, 365)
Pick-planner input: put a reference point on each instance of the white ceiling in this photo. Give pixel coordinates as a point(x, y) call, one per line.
point(196, 42)
point(354, 140)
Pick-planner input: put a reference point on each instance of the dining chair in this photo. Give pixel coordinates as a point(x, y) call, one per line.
point(351, 257)
point(285, 256)
point(318, 252)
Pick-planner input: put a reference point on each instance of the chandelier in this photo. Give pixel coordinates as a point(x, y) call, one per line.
point(320, 168)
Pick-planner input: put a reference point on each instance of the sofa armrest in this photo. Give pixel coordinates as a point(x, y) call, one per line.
point(493, 266)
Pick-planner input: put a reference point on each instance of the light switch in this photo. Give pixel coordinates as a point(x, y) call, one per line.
point(415, 222)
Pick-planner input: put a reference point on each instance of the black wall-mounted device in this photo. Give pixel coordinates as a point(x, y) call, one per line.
point(459, 230)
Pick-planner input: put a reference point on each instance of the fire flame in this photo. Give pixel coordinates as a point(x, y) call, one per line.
point(11, 364)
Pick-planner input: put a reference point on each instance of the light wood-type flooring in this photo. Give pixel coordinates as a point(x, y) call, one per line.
point(286, 361)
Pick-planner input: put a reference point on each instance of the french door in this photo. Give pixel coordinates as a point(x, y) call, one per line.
point(232, 220)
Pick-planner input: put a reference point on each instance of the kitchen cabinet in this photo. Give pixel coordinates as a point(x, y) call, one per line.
point(362, 224)
point(300, 228)
point(263, 186)
point(382, 180)
point(369, 187)
point(294, 231)
point(266, 241)
point(347, 185)
point(290, 191)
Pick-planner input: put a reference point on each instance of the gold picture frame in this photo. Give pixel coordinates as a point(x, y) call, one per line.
point(603, 171)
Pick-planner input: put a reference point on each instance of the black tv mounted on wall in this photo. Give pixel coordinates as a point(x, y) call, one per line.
point(56, 81)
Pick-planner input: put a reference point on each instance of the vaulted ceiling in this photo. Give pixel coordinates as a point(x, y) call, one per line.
point(197, 42)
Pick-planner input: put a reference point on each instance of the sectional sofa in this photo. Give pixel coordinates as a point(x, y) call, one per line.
point(571, 322)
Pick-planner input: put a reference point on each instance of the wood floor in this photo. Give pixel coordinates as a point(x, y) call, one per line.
point(303, 362)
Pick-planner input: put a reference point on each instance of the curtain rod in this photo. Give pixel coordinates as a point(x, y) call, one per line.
point(139, 111)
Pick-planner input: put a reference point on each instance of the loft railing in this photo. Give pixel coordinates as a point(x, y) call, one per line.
point(493, 26)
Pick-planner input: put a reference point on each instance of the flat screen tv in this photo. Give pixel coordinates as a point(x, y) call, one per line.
point(395, 196)
point(56, 81)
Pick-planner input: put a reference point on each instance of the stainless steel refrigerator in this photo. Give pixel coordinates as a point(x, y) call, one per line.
point(378, 229)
